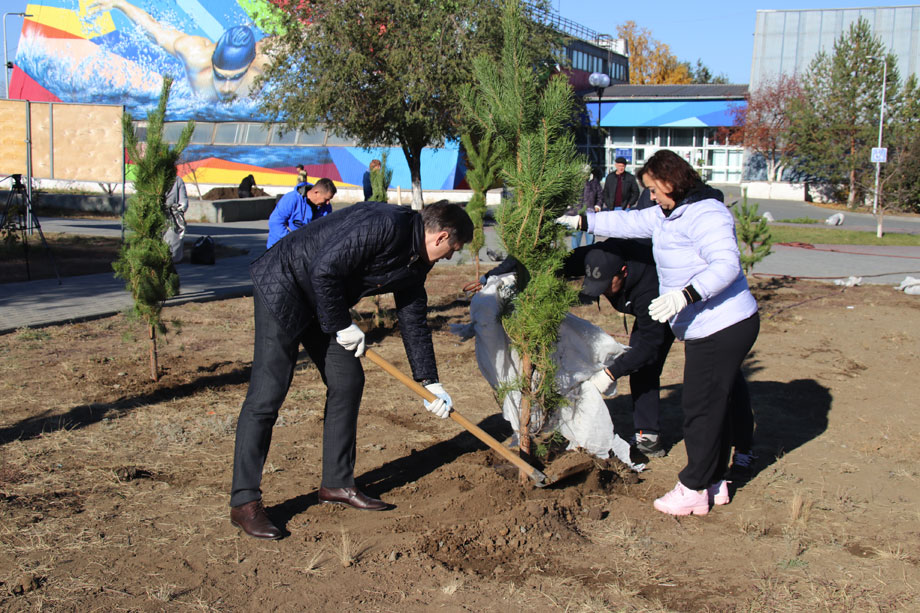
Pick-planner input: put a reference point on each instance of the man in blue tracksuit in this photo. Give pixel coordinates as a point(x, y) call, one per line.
point(299, 207)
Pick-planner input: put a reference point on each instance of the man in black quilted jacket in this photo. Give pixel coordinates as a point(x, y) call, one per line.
point(303, 289)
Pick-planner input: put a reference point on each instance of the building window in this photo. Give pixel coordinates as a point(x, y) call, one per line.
point(646, 136)
point(681, 137)
point(286, 138)
point(225, 133)
point(316, 136)
point(254, 134)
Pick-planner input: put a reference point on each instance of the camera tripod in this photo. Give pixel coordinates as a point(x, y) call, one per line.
point(18, 219)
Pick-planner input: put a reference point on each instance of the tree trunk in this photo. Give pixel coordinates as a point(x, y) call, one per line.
point(851, 198)
point(413, 155)
point(524, 425)
point(154, 370)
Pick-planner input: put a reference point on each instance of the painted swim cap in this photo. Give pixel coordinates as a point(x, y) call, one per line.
point(235, 49)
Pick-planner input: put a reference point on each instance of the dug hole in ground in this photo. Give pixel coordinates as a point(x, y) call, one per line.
point(114, 490)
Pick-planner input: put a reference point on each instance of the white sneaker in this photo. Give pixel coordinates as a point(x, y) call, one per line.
point(684, 501)
point(718, 493)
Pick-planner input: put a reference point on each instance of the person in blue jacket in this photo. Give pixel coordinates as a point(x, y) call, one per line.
point(299, 207)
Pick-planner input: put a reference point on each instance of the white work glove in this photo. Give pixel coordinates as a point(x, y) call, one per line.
point(572, 221)
point(668, 305)
point(442, 404)
point(352, 339)
point(604, 384)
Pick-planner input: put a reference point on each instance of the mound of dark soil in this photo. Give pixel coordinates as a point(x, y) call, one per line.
point(231, 193)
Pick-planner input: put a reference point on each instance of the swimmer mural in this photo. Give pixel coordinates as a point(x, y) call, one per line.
point(118, 51)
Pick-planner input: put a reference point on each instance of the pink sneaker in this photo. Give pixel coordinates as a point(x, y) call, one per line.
point(718, 493)
point(684, 501)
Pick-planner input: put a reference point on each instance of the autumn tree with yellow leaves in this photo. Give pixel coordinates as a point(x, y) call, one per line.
point(651, 61)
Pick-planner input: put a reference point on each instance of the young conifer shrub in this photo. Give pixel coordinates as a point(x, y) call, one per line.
point(144, 261)
point(530, 118)
point(482, 167)
point(754, 237)
point(380, 180)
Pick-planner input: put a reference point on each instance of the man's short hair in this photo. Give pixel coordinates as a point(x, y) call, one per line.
point(620, 160)
point(451, 218)
point(325, 185)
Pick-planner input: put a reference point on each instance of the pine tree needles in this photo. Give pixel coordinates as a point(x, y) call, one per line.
point(529, 120)
point(145, 262)
point(754, 237)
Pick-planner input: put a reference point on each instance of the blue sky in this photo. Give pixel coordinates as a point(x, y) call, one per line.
point(719, 33)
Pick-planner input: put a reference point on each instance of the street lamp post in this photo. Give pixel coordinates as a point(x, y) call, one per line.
point(881, 117)
point(599, 81)
point(6, 64)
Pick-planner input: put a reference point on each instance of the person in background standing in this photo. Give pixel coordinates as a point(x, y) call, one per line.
point(299, 207)
point(368, 188)
point(591, 197)
point(620, 188)
point(301, 174)
point(175, 205)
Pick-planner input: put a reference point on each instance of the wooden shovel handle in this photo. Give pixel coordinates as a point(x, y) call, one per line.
point(472, 428)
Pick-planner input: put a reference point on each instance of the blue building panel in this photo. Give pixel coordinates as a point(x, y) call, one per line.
point(660, 113)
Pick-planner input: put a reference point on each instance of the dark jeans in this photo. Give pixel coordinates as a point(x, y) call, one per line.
point(645, 387)
point(713, 400)
point(274, 358)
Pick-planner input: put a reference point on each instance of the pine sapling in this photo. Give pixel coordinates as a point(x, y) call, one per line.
point(380, 180)
point(754, 237)
point(482, 167)
point(145, 262)
point(529, 116)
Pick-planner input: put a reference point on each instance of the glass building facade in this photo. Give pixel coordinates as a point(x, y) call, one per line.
point(785, 42)
point(637, 120)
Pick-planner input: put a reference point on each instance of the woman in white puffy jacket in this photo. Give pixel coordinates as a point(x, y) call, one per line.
point(704, 295)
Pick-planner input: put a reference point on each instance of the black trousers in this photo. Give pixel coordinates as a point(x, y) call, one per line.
point(274, 358)
point(711, 372)
point(645, 387)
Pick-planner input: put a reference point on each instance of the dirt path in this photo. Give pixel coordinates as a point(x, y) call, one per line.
point(113, 490)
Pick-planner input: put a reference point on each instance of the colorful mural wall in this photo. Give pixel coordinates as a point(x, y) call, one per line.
point(117, 52)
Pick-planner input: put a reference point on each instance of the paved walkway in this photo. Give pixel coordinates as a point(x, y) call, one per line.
point(37, 303)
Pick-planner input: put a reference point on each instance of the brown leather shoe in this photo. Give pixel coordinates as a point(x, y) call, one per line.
point(252, 519)
point(352, 497)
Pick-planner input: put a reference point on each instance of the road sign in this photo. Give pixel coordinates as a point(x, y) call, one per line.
point(880, 154)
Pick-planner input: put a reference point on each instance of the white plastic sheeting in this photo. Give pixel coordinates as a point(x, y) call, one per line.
point(582, 350)
point(910, 285)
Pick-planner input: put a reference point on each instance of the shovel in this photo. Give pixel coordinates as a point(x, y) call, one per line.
point(539, 479)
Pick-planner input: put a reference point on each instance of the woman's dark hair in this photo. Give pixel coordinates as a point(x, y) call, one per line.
point(674, 170)
point(450, 217)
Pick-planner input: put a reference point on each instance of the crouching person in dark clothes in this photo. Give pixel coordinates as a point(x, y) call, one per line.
point(303, 289)
point(623, 271)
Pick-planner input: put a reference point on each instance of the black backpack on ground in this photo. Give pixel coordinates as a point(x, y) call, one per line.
point(203, 251)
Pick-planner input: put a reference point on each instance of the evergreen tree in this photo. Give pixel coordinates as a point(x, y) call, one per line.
point(531, 124)
point(754, 237)
point(482, 167)
point(835, 123)
point(145, 262)
point(380, 180)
